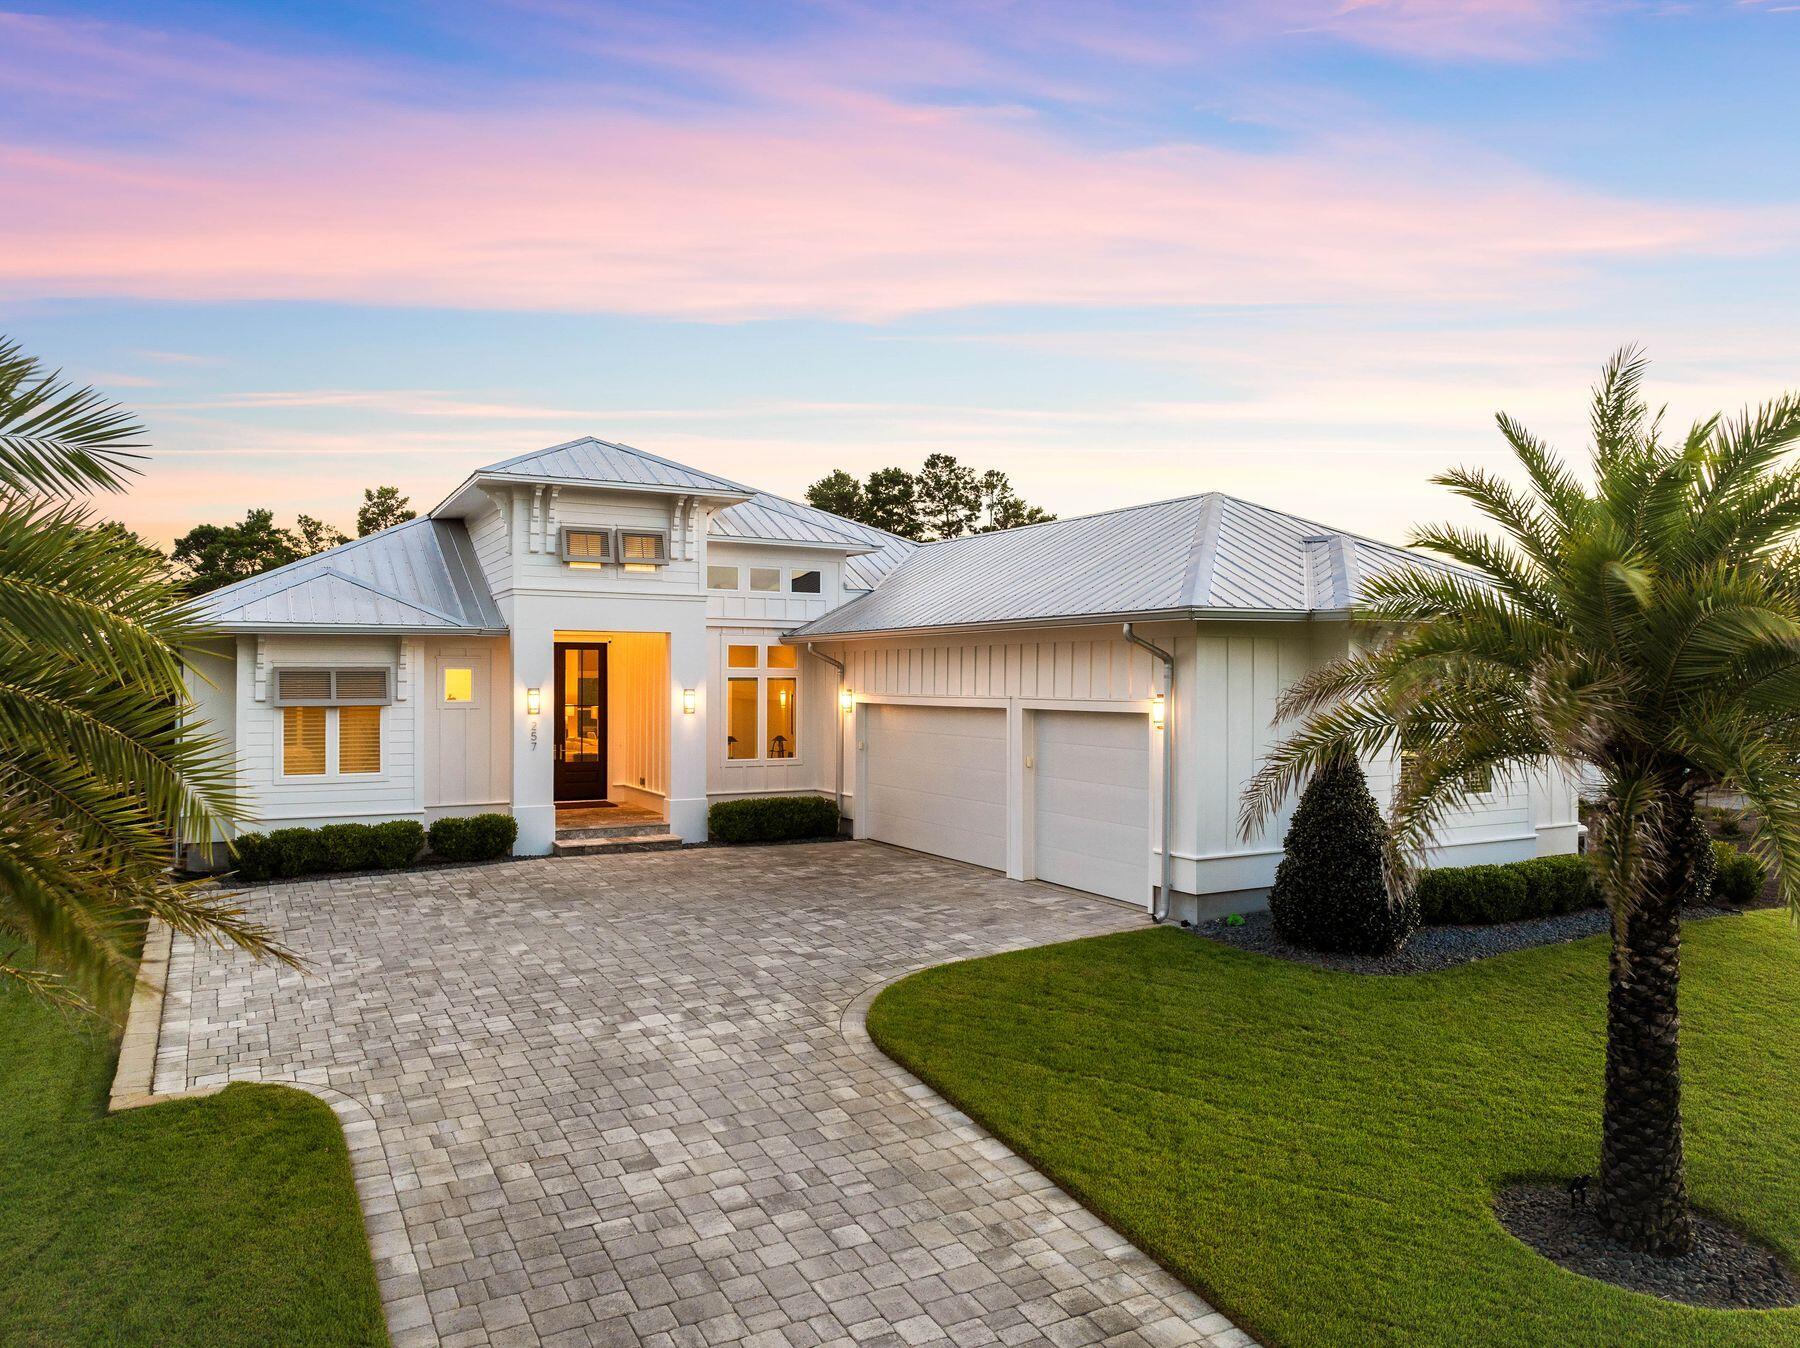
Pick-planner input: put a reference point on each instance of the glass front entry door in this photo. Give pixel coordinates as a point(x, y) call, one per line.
point(580, 721)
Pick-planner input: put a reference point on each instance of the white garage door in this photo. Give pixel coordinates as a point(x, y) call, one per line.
point(936, 781)
point(1092, 777)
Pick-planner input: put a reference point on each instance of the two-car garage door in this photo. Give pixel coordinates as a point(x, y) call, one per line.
point(936, 781)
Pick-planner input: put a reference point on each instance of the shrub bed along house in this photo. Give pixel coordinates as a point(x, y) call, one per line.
point(289, 852)
point(772, 819)
point(1513, 892)
point(474, 837)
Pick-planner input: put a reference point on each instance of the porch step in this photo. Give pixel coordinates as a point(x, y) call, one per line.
point(607, 846)
point(634, 828)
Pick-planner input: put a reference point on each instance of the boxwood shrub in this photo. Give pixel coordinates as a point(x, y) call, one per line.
point(772, 818)
point(290, 852)
point(1738, 877)
point(474, 837)
point(1482, 895)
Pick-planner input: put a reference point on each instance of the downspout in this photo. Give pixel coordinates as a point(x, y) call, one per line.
point(1168, 772)
point(837, 713)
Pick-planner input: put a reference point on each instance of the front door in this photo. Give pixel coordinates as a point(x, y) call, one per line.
point(580, 721)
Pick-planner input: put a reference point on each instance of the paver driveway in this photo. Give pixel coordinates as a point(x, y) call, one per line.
point(629, 1100)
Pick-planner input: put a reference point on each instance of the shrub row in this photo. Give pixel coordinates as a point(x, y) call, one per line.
point(772, 818)
point(474, 837)
point(1738, 877)
point(289, 852)
point(1481, 895)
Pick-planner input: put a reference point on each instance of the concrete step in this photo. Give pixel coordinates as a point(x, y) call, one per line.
point(637, 842)
point(633, 829)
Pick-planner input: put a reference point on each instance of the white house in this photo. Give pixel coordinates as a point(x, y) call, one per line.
point(592, 627)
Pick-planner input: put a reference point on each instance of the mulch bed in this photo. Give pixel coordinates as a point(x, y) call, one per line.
point(1430, 948)
point(1726, 1270)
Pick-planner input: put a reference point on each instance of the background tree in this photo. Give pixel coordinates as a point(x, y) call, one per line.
point(1003, 508)
point(314, 536)
point(839, 493)
point(211, 555)
point(382, 508)
point(1648, 629)
point(949, 497)
point(97, 770)
point(892, 502)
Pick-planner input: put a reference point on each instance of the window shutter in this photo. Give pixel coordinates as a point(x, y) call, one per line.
point(302, 685)
point(362, 685)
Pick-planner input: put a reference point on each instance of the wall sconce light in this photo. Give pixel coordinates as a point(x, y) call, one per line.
point(847, 700)
point(534, 701)
point(689, 700)
point(1159, 712)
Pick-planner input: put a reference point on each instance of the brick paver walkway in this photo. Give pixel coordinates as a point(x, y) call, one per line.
point(629, 1101)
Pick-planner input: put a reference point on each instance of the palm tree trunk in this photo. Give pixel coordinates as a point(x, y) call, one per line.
point(1642, 1189)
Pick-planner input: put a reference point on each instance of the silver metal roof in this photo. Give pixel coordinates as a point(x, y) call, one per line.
point(421, 576)
point(1211, 555)
point(871, 553)
point(603, 463)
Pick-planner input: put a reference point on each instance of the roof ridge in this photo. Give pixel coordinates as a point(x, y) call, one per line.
point(832, 514)
point(1068, 519)
point(620, 445)
point(375, 589)
point(1204, 555)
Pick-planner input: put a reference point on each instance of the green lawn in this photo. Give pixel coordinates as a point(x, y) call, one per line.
point(1316, 1153)
point(228, 1220)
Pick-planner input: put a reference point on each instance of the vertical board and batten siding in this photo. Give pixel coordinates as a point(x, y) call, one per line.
point(785, 608)
point(638, 695)
point(466, 747)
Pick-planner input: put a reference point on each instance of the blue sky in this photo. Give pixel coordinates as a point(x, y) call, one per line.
point(1298, 249)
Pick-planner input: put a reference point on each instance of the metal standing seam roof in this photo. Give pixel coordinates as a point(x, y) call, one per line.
point(419, 576)
point(1211, 554)
point(602, 462)
point(775, 519)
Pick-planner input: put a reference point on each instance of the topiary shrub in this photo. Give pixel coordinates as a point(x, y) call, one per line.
point(1330, 891)
point(474, 837)
point(397, 843)
point(255, 857)
point(772, 818)
point(297, 851)
point(1738, 877)
point(1473, 896)
point(1559, 884)
point(347, 847)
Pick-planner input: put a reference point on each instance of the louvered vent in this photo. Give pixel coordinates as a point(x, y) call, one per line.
point(302, 685)
point(362, 685)
point(331, 687)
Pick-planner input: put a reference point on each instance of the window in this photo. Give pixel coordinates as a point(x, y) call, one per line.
point(762, 706)
point(721, 578)
point(765, 578)
point(359, 739)
point(804, 582)
point(459, 686)
point(643, 549)
point(303, 741)
point(782, 697)
point(740, 729)
point(586, 547)
point(1481, 781)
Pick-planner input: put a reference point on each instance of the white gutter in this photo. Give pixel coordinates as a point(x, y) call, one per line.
point(1168, 772)
point(837, 713)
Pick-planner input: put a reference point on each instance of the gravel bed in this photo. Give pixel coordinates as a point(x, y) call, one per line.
point(1726, 1270)
point(1430, 947)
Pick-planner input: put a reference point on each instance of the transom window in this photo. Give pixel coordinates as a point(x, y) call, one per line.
point(586, 547)
point(762, 704)
point(721, 578)
point(765, 578)
point(804, 582)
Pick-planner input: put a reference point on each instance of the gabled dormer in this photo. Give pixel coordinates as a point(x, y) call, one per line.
point(590, 516)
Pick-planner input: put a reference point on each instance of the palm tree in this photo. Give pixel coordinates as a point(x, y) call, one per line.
point(1646, 628)
point(98, 773)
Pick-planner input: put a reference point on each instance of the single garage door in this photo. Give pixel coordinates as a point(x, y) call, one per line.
point(1092, 777)
point(936, 781)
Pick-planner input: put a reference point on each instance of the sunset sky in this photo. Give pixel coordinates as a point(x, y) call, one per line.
point(1299, 250)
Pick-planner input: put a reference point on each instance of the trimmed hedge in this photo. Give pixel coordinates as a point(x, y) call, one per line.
point(474, 837)
point(1482, 895)
point(1738, 877)
point(772, 818)
point(290, 852)
point(1330, 890)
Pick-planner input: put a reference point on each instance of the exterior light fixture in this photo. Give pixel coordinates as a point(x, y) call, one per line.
point(1159, 712)
point(689, 700)
point(534, 701)
point(847, 699)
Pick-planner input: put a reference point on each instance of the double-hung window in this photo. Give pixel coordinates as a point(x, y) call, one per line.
point(331, 720)
point(762, 702)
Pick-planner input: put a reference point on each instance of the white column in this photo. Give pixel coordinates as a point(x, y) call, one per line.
point(533, 743)
point(688, 657)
